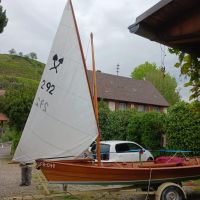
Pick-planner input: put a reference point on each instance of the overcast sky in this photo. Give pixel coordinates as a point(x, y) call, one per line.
point(32, 26)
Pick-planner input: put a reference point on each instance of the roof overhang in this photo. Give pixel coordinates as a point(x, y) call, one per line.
point(175, 23)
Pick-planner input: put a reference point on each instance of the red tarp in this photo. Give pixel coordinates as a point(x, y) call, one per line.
point(169, 159)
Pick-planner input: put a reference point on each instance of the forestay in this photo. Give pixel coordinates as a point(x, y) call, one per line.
point(62, 119)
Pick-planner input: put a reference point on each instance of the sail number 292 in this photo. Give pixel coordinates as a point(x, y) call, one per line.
point(48, 87)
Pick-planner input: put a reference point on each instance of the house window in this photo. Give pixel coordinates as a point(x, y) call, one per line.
point(141, 108)
point(111, 105)
point(156, 108)
point(122, 106)
point(132, 105)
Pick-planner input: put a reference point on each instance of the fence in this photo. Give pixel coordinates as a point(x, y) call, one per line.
point(5, 149)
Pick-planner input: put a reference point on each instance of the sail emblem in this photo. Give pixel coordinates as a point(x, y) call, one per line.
point(57, 62)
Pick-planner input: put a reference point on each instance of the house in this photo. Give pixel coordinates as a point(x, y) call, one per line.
point(122, 92)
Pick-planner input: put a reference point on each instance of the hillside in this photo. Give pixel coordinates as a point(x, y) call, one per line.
point(14, 66)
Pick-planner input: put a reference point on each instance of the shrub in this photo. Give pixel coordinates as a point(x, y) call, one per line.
point(119, 121)
point(114, 124)
point(147, 129)
point(183, 127)
point(152, 129)
point(6, 136)
point(134, 127)
point(104, 120)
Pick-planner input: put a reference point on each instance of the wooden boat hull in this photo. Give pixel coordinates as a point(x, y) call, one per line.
point(88, 172)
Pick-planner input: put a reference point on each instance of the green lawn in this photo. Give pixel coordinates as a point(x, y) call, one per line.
point(16, 66)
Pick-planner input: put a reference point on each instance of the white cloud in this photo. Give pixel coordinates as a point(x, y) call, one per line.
point(32, 26)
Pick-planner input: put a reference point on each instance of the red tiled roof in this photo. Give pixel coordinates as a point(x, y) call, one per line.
point(3, 117)
point(127, 89)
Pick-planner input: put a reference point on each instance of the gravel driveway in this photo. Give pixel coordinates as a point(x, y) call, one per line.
point(10, 180)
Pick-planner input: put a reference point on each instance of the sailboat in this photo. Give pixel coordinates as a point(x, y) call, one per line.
point(63, 122)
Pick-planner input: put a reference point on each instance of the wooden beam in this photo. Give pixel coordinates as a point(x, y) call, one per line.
point(188, 24)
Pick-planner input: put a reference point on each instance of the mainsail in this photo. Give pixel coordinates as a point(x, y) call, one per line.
point(62, 119)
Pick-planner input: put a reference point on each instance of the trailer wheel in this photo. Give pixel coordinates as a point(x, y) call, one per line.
point(170, 191)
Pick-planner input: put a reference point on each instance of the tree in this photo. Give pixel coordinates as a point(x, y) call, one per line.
point(17, 102)
point(21, 54)
point(3, 19)
point(190, 67)
point(33, 56)
point(12, 52)
point(140, 71)
point(165, 84)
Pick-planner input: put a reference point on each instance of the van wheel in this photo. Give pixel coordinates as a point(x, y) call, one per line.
point(150, 159)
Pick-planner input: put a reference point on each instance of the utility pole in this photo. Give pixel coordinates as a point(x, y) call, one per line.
point(117, 69)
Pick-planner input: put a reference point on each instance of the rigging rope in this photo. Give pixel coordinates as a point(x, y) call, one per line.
point(163, 55)
point(87, 51)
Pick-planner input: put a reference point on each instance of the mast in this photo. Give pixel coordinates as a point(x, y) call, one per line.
point(83, 59)
point(95, 105)
point(95, 102)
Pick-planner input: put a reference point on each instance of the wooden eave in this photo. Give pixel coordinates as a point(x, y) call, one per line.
point(175, 23)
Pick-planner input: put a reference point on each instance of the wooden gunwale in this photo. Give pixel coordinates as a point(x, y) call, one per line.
point(147, 164)
point(115, 165)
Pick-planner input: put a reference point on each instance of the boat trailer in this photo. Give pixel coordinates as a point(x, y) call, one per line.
point(165, 191)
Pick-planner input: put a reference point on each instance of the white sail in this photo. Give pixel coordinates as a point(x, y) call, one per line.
point(62, 119)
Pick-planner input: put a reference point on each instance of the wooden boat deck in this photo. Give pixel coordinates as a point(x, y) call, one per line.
point(87, 171)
